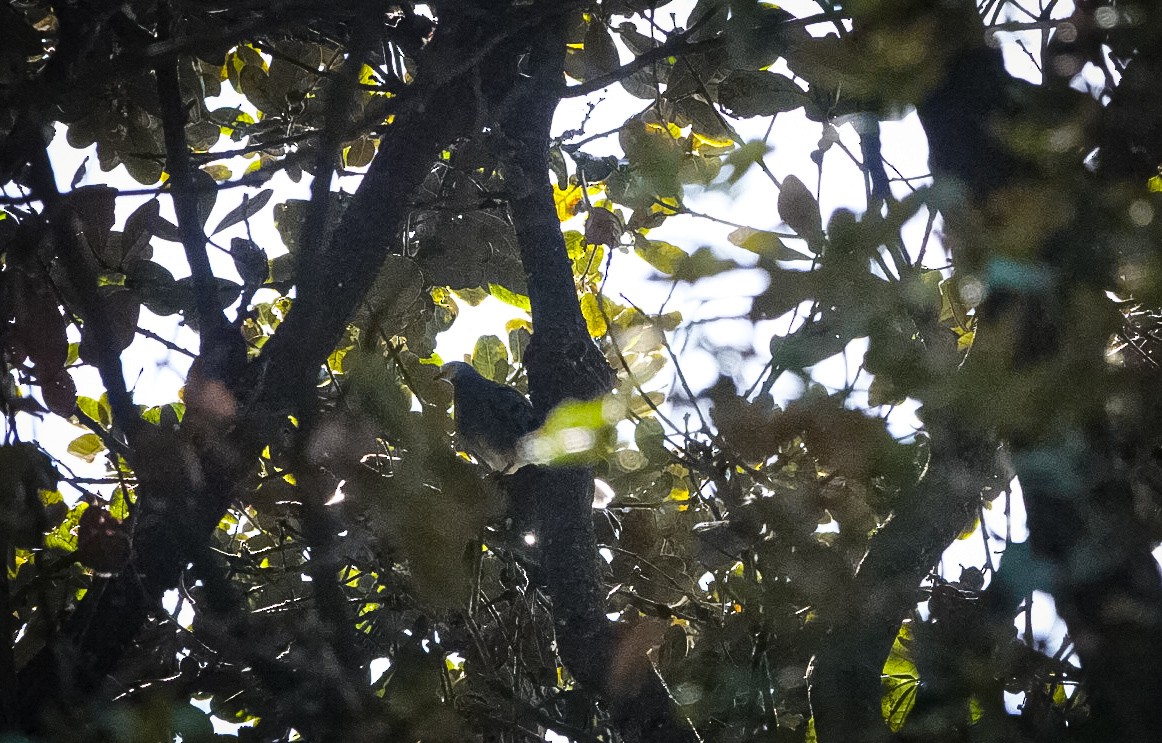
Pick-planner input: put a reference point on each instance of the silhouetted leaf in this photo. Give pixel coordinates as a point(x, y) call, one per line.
point(250, 206)
point(747, 93)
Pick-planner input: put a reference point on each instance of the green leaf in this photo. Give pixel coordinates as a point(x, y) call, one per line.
point(250, 261)
point(288, 220)
point(155, 286)
point(882, 392)
point(86, 446)
point(206, 189)
point(598, 56)
point(808, 345)
point(490, 358)
point(360, 153)
point(766, 244)
point(472, 295)
point(394, 299)
point(519, 335)
point(192, 724)
point(218, 172)
point(664, 256)
point(98, 410)
point(901, 680)
point(506, 295)
point(701, 264)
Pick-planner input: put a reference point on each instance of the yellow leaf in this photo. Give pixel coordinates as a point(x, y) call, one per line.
point(574, 244)
point(217, 172)
point(569, 200)
point(566, 201)
point(520, 301)
point(964, 342)
point(368, 76)
point(517, 323)
point(591, 311)
point(86, 446)
point(661, 255)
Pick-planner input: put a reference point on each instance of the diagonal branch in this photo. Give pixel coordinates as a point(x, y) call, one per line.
point(845, 686)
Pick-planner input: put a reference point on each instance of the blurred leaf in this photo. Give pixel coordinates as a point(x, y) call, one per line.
point(701, 264)
point(650, 438)
point(575, 432)
point(664, 256)
point(800, 210)
point(747, 93)
point(766, 244)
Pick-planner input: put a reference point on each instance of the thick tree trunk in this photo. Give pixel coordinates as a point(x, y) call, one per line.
point(564, 363)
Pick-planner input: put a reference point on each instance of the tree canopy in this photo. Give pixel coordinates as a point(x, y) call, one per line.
point(298, 545)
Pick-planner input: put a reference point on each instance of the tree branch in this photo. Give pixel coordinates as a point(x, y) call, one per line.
point(845, 686)
point(679, 45)
point(209, 317)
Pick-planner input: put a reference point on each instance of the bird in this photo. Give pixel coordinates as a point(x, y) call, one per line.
point(491, 418)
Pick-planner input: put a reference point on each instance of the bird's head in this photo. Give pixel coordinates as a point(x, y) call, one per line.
point(490, 417)
point(457, 371)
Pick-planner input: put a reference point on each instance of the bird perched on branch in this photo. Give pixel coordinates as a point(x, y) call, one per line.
point(490, 417)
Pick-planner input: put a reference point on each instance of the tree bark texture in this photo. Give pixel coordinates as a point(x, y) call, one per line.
point(563, 363)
